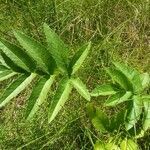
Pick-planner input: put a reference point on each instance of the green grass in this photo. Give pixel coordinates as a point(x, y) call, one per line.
point(118, 30)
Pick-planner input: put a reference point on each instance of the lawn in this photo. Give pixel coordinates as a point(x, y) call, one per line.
point(119, 30)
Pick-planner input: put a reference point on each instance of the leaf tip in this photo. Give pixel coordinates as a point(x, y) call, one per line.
point(50, 119)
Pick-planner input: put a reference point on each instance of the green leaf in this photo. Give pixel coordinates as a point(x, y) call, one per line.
point(99, 145)
point(145, 98)
point(2, 62)
point(11, 64)
point(107, 89)
point(97, 123)
point(117, 121)
point(3, 68)
point(100, 121)
point(118, 98)
point(111, 146)
point(37, 51)
point(39, 94)
point(146, 123)
point(133, 113)
point(120, 78)
point(128, 144)
point(60, 98)
point(6, 74)
point(91, 110)
point(15, 88)
point(79, 58)
point(132, 75)
point(17, 55)
point(56, 47)
point(81, 88)
point(145, 80)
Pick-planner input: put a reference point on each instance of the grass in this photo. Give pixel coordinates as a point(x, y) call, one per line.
point(118, 30)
